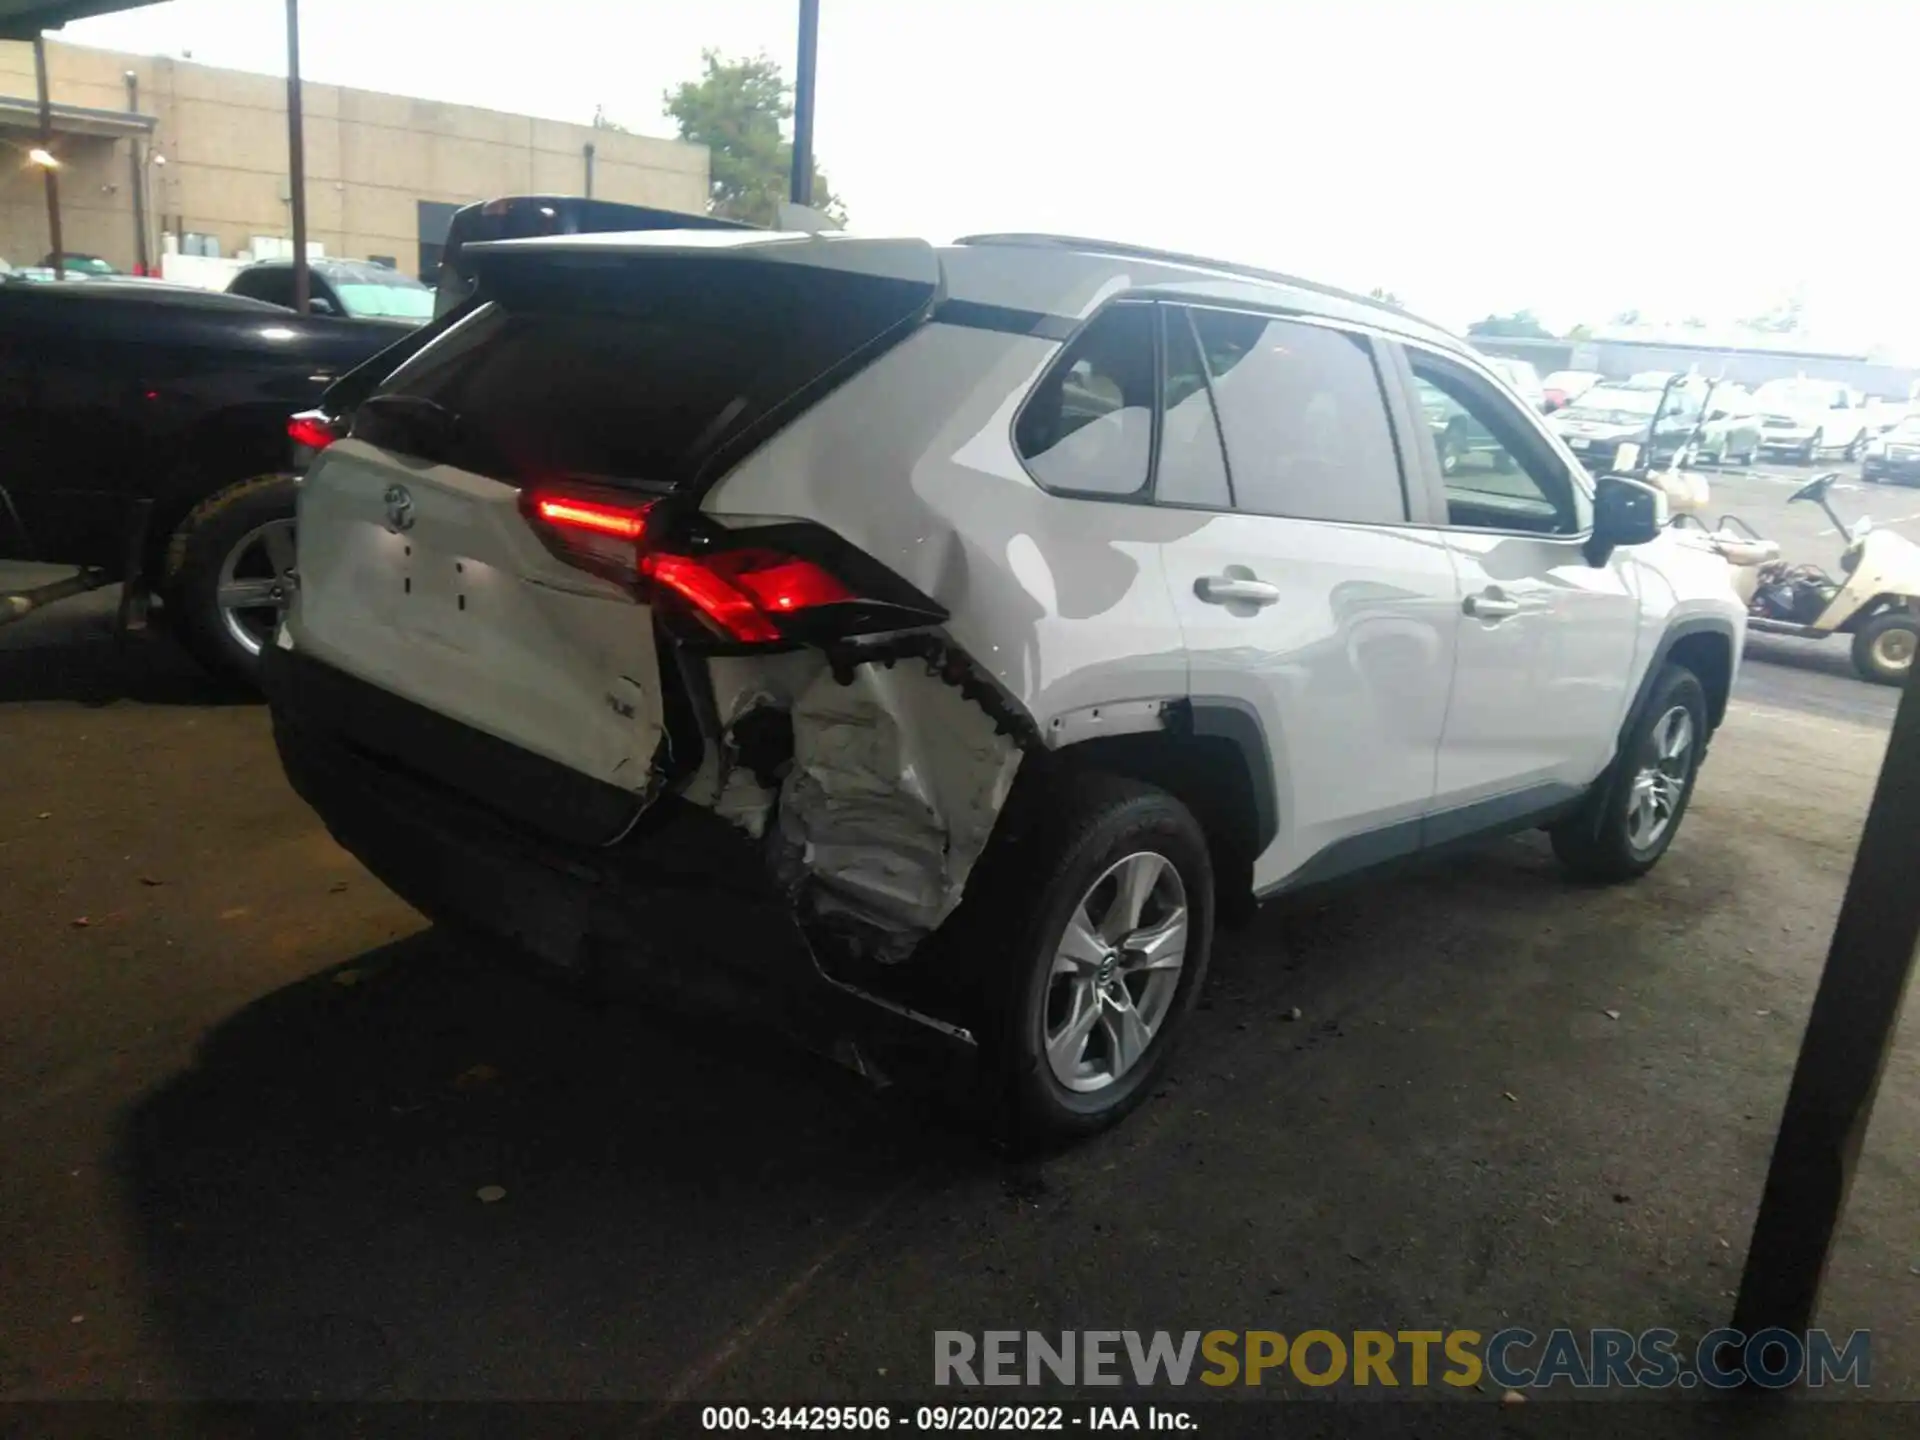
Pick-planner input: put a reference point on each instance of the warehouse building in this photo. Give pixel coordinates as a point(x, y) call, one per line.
point(160, 154)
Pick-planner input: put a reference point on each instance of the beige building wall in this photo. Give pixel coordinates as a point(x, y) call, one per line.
point(370, 158)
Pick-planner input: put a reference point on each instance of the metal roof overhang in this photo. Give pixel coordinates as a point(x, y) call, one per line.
point(24, 19)
point(23, 112)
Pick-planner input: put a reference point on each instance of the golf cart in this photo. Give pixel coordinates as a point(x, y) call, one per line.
point(1876, 600)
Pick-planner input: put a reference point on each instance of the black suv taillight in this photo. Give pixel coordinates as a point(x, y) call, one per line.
point(310, 432)
point(769, 585)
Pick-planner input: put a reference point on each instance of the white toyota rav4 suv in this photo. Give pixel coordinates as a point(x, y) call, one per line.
point(963, 629)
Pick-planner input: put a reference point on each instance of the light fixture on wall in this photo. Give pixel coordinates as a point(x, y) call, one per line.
point(43, 157)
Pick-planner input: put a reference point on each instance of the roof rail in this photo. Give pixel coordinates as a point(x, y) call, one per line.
point(1121, 250)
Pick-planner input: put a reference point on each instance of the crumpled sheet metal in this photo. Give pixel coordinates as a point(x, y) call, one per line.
point(896, 782)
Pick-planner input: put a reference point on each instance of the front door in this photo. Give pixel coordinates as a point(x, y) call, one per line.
point(1545, 640)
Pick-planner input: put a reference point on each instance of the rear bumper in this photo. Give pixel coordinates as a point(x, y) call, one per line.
point(684, 899)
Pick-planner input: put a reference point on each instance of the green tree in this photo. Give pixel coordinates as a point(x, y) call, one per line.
point(736, 109)
point(1521, 325)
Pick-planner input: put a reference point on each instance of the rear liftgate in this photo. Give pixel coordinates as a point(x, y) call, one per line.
point(863, 756)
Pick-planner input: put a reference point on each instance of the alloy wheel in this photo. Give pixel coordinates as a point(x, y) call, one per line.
point(255, 581)
point(1116, 971)
point(1661, 782)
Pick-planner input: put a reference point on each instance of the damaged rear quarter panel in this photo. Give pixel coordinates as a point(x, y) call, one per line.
point(896, 781)
point(1063, 601)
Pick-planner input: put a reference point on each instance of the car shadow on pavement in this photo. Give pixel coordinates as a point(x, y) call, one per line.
point(69, 653)
point(422, 1174)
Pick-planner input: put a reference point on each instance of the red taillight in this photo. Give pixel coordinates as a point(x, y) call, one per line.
point(623, 522)
point(314, 429)
point(747, 595)
point(741, 591)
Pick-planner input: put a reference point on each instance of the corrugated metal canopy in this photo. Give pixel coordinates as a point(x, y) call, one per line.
point(24, 19)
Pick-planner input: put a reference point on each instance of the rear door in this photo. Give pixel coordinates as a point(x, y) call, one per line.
point(1306, 593)
point(604, 372)
point(1546, 640)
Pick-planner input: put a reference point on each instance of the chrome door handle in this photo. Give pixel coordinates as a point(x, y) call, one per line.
point(1231, 589)
point(1490, 605)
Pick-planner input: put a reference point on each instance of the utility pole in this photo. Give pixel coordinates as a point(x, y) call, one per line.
point(296, 161)
point(1849, 1034)
point(802, 188)
point(50, 166)
point(138, 174)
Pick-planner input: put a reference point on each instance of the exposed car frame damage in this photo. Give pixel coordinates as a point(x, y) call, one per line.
point(875, 784)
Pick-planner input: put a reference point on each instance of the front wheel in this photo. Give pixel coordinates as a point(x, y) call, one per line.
point(1634, 811)
point(1103, 957)
point(1883, 648)
point(229, 568)
point(1857, 446)
point(1810, 451)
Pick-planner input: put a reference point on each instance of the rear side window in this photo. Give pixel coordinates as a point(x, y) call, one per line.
point(631, 370)
point(272, 285)
point(1088, 427)
point(1193, 467)
point(1304, 419)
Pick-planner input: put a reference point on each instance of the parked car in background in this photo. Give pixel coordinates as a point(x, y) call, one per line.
point(1885, 414)
point(1524, 379)
point(81, 264)
point(1608, 416)
point(144, 431)
point(1730, 431)
point(1810, 418)
point(349, 289)
point(1894, 458)
point(602, 597)
point(1563, 387)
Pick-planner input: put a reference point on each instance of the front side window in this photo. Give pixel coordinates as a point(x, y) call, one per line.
point(1304, 419)
point(1088, 428)
point(1499, 473)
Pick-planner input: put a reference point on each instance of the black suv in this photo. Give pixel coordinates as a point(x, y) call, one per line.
point(350, 289)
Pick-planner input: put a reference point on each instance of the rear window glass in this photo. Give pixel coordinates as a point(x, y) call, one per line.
point(619, 369)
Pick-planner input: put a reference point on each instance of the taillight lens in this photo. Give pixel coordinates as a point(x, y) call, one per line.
point(744, 593)
point(746, 587)
point(623, 522)
point(314, 429)
point(603, 535)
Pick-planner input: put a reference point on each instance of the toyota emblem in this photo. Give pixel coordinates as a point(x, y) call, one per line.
point(399, 501)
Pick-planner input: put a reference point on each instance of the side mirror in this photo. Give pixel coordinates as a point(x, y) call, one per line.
point(1625, 512)
point(320, 306)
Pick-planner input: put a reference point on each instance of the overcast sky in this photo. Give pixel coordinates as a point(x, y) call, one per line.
point(1686, 158)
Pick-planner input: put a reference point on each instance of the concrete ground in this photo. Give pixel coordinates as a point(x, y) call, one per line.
point(247, 1101)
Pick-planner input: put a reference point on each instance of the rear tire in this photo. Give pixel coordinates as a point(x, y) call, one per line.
point(1634, 811)
point(234, 546)
point(1110, 1015)
point(1883, 648)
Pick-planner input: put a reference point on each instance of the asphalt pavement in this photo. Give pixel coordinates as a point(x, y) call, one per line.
point(270, 1135)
